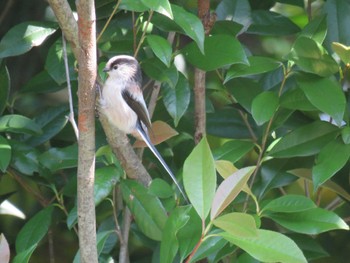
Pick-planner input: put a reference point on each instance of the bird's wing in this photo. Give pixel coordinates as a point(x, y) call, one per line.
point(137, 105)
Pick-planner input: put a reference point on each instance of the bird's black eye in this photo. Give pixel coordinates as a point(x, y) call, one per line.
point(115, 67)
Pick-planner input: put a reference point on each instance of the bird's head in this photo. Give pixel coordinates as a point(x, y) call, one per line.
point(123, 68)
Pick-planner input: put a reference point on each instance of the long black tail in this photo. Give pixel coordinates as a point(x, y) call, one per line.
point(150, 145)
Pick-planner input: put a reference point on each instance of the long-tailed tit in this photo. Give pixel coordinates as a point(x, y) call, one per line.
point(123, 103)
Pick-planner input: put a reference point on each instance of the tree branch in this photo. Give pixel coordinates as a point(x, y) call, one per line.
point(86, 124)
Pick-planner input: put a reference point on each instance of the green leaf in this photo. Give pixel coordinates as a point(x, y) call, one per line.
point(264, 106)
point(237, 224)
point(295, 99)
point(210, 246)
point(326, 95)
point(219, 51)
point(161, 48)
point(55, 66)
point(316, 29)
point(312, 58)
point(233, 150)
point(190, 24)
point(229, 189)
point(160, 188)
point(105, 179)
point(337, 12)
point(289, 204)
point(270, 23)
point(238, 11)
point(176, 99)
point(22, 37)
point(34, 230)
point(5, 153)
point(310, 246)
point(268, 246)
point(19, 124)
point(4, 87)
point(200, 178)
point(170, 243)
point(304, 141)
point(329, 161)
point(51, 122)
point(345, 135)
point(342, 51)
point(155, 69)
point(257, 65)
point(148, 211)
point(41, 83)
point(24, 256)
point(60, 158)
point(312, 222)
point(161, 6)
point(133, 5)
point(189, 235)
point(224, 27)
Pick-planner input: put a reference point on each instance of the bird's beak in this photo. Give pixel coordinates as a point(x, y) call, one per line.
point(105, 70)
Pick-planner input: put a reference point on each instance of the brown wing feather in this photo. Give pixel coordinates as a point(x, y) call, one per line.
point(138, 107)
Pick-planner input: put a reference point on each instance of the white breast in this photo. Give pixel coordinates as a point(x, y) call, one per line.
point(115, 108)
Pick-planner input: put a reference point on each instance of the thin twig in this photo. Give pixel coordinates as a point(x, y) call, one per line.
point(117, 227)
point(108, 21)
point(309, 10)
point(71, 109)
point(143, 33)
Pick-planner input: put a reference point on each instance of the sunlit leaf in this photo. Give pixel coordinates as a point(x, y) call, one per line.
point(342, 51)
point(19, 124)
point(200, 178)
point(22, 37)
point(289, 204)
point(268, 246)
point(161, 48)
point(237, 224)
point(229, 189)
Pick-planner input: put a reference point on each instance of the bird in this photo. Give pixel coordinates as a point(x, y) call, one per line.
point(123, 104)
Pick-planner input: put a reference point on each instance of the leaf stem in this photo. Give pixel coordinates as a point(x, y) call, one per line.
point(108, 21)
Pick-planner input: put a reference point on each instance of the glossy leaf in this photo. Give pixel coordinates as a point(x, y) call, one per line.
point(4, 87)
point(161, 6)
point(155, 69)
point(225, 168)
point(34, 230)
point(312, 221)
point(345, 135)
point(268, 246)
point(68, 158)
point(41, 83)
point(210, 246)
point(51, 122)
point(235, 10)
point(190, 24)
point(4, 250)
point(5, 153)
point(170, 243)
point(55, 66)
point(219, 51)
point(22, 37)
point(310, 246)
point(148, 211)
point(304, 141)
point(19, 124)
point(229, 189)
point(342, 51)
point(257, 65)
point(316, 29)
point(176, 99)
point(271, 23)
point(24, 256)
point(161, 48)
point(200, 178)
point(237, 224)
point(337, 17)
point(133, 5)
point(312, 58)
point(289, 204)
point(160, 188)
point(296, 99)
point(105, 180)
point(329, 161)
point(264, 107)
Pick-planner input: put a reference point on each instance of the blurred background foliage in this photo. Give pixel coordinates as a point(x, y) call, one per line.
point(42, 169)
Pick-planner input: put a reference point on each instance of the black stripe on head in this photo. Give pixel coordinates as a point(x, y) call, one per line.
point(123, 60)
point(130, 62)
